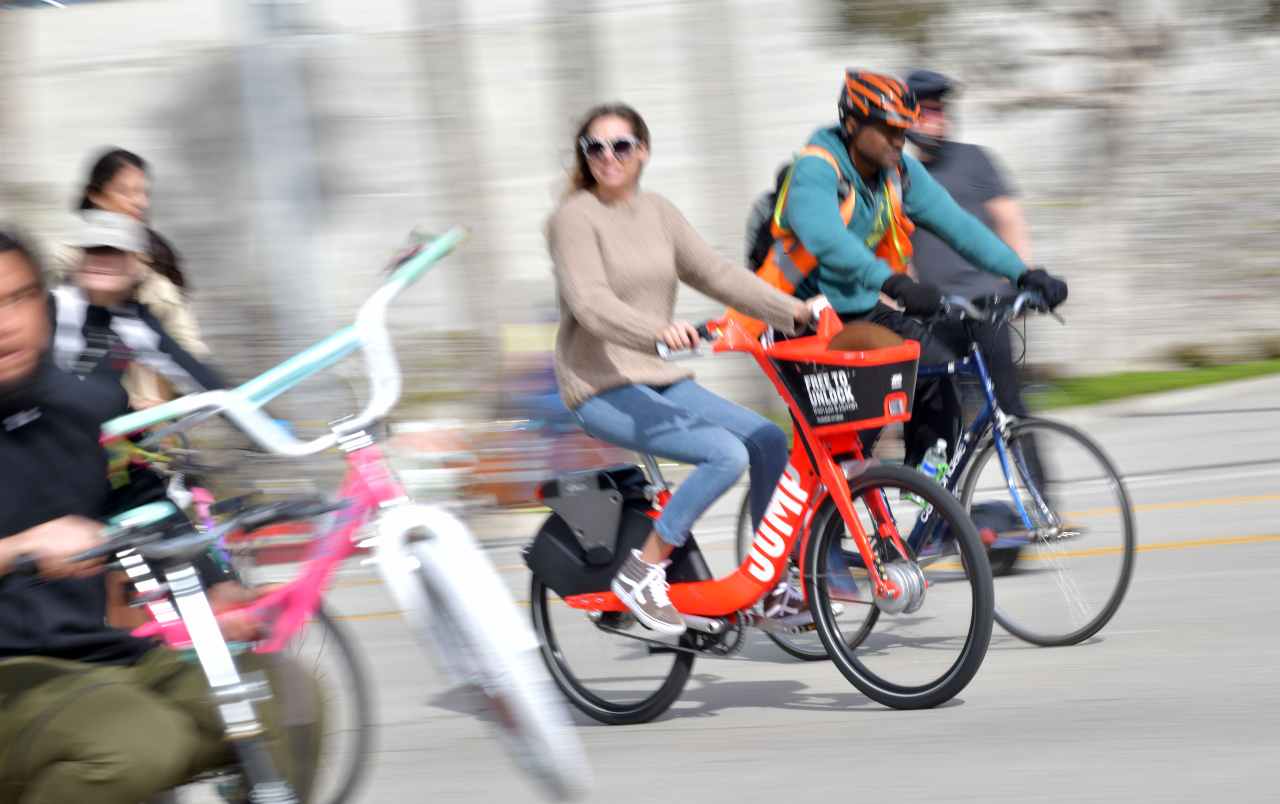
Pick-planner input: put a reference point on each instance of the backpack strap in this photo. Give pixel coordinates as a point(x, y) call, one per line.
point(844, 189)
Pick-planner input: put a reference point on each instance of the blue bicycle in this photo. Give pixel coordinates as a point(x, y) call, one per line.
point(1051, 507)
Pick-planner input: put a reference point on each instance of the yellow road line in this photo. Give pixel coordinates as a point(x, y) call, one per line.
point(1216, 541)
point(1179, 505)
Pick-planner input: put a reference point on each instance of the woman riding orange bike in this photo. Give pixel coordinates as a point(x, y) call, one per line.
point(619, 255)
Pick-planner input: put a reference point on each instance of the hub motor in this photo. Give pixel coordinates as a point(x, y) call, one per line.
point(909, 578)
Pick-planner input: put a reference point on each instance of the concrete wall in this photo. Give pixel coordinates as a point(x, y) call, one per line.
point(1158, 209)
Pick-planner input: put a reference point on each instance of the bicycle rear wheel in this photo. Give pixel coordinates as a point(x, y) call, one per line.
point(601, 669)
point(1075, 562)
point(324, 651)
point(483, 642)
point(926, 647)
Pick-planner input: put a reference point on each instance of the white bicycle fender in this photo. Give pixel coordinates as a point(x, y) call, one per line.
point(418, 537)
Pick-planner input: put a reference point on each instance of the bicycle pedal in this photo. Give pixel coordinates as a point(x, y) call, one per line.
point(617, 620)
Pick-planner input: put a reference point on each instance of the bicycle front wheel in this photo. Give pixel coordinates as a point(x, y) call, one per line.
point(1075, 560)
point(926, 645)
point(482, 641)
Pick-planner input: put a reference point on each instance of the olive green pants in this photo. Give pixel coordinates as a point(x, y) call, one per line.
point(75, 732)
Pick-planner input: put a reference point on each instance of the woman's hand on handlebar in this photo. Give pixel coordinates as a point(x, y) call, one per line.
point(679, 336)
point(809, 310)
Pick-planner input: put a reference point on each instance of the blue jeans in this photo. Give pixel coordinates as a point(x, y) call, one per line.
point(687, 423)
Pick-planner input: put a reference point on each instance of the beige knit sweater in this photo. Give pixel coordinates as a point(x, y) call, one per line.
point(617, 266)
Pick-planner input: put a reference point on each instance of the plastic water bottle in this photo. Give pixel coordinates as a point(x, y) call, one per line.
point(934, 465)
point(935, 461)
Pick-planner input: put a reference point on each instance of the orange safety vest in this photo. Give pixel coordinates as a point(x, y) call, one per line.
point(789, 262)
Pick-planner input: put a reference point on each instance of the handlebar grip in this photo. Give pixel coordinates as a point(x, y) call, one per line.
point(704, 333)
point(24, 564)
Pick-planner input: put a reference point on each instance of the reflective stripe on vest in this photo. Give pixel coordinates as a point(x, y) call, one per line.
point(790, 271)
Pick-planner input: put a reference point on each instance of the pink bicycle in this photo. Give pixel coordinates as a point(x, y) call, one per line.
point(449, 593)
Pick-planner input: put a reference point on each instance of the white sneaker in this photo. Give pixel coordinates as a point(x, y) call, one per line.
point(642, 587)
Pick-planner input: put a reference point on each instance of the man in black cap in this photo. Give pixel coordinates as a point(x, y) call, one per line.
point(974, 181)
point(977, 185)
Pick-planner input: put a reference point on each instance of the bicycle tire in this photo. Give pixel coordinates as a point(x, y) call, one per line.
point(589, 703)
point(496, 653)
point(1027, 424)
point(350, 779)
point(973, 563)
point(337, 788)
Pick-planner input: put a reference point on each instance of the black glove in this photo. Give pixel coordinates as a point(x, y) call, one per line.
point(916, 298)
point(1052, 289)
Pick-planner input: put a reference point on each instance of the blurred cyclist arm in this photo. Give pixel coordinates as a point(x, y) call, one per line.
point(1011, 225)
point(928, 204)
point(52, 544)
point(1000, 200)
point(699, 266)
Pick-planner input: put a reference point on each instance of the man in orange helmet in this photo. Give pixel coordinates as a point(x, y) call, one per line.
point(844, 219)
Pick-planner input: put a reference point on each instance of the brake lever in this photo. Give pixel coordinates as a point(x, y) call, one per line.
point(963, 305)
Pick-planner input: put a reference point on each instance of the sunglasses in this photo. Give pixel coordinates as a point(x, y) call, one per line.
point(623, 148)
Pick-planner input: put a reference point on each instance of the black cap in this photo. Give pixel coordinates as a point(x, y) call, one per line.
point(929, 85)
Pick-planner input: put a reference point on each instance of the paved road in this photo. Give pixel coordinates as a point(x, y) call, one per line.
point(1175, 701)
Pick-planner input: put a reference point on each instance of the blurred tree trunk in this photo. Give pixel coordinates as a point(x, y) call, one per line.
point(576, 66)
point(720, 116)
point(456, 135)
point(285, 252)
point(10, 59)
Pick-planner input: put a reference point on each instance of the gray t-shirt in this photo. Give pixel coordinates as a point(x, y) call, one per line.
point(969, 175)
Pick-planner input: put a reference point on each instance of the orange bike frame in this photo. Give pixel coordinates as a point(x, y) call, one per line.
point(811, 475)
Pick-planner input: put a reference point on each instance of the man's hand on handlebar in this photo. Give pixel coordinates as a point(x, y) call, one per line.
point(53, 546)
point(916, 298)
point(1050, 288)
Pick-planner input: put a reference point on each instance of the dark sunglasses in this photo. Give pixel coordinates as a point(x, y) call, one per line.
point(623, 148)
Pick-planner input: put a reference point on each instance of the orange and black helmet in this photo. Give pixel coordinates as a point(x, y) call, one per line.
point(876, 96)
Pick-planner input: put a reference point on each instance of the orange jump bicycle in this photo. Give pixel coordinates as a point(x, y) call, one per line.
point(937, 620)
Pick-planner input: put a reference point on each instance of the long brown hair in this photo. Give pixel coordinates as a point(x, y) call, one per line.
point(580, 177)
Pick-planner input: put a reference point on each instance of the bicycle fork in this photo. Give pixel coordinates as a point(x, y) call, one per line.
point(233, 694)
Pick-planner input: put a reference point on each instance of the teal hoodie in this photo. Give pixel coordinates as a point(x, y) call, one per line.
point(849, 274)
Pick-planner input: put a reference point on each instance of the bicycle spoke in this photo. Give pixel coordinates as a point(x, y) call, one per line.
point(1067, 478)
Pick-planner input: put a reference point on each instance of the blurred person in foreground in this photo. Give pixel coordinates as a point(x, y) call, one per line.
point(850, 204)
point(91, 713)
point(118, 182)
point(101, 326)
point(619, 255)
point(101, 334)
